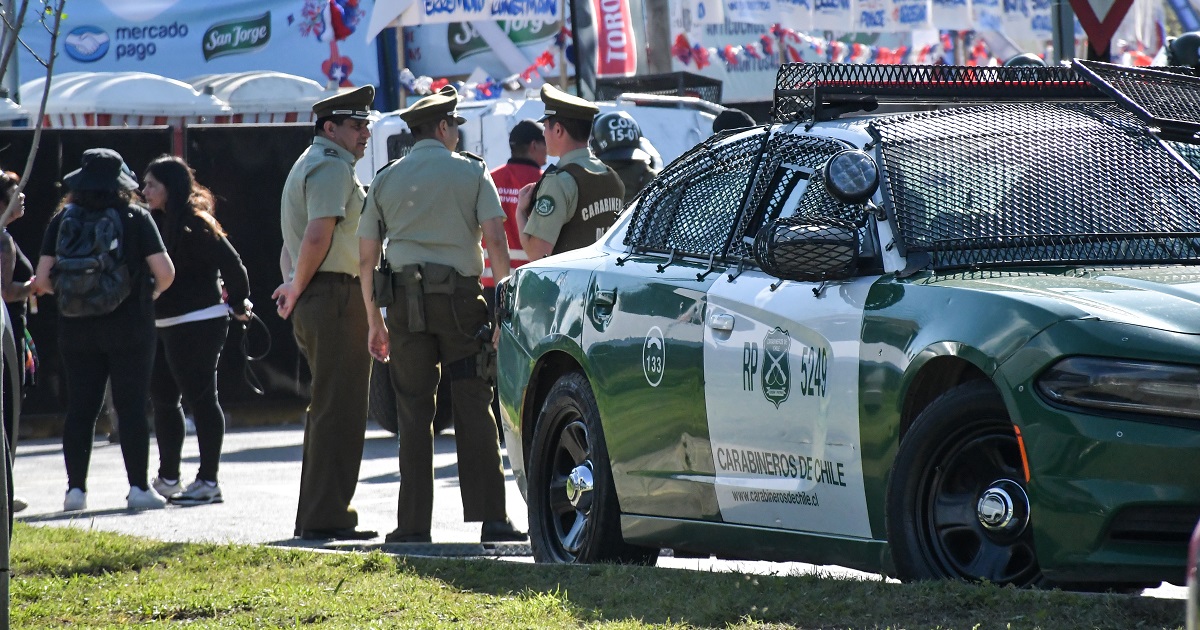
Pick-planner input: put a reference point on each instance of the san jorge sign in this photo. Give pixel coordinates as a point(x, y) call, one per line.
point(237, 36)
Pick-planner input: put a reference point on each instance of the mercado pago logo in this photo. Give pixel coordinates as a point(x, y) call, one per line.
point(133, 43)
point(237, 36)
point(86, 43)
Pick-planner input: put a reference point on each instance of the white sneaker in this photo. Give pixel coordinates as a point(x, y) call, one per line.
point(76, 500)
point(166, 487)
point(199, 492)
point(143, 499)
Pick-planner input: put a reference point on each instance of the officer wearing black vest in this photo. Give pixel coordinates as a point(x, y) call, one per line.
point(575, 202)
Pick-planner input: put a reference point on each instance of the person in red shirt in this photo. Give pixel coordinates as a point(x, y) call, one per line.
point(528, 146)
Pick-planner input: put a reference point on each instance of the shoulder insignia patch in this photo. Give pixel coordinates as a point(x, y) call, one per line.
point(331, 152)
point(544, 206)
point(390, 162)
point(470, 155)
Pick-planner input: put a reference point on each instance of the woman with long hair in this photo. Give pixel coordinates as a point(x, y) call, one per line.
point(193, 321)
point(115, 341)
point(16, 287)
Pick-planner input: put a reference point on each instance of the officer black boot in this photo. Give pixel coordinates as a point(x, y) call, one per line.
point(501, 531)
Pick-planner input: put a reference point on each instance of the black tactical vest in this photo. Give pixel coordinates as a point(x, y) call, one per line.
point(601, 197)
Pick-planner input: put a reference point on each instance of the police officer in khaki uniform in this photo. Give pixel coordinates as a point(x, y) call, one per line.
point(578, 200)
point(432, 207)
point(322, 202)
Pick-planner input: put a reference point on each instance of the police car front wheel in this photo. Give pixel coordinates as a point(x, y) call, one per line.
point(573, 510)
point(957, 504)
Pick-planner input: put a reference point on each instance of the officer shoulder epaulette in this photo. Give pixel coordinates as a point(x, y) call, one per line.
point(390, 162)
point(470, 155)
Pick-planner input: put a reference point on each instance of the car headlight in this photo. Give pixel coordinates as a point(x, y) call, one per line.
point(1141, 387)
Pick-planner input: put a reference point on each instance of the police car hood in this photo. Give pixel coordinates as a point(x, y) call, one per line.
point(1164, 297)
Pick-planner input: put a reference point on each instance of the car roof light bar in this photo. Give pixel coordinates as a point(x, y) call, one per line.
point(1168, 99)
point(819, 91)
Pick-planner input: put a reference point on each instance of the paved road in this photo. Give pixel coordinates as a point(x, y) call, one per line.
point(260, 474)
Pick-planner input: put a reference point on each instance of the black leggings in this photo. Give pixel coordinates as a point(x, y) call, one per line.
point(185, 366)
point(95, 350)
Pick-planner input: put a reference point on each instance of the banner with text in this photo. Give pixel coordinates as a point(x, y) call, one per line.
point(443, 11)
point(616, 45)
point(444, 50)
point(182, 39)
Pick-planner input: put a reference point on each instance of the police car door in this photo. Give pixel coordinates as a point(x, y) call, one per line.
point(781, 366)
point(644, 331)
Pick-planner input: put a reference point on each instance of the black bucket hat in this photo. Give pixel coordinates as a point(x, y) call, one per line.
point(101, 169)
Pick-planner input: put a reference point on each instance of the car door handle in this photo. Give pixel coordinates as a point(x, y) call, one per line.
point(722, 322)
point(605, 298)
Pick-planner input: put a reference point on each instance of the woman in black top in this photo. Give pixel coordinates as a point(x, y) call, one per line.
point(16, 286)
point(118, 345)
point(193, 321)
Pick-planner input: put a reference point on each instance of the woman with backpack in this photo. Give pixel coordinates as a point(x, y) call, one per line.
point(193, 321)
point(104, 260)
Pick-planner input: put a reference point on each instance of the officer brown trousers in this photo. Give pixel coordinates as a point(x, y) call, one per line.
point(451, 323)
point(330, 325)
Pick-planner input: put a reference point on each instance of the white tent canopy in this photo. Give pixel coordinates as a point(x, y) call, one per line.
point(263, 94)
point(11, 113)
point(124, 93)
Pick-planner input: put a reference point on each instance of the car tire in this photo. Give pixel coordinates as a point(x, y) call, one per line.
point(957, 503)
point(567, 522)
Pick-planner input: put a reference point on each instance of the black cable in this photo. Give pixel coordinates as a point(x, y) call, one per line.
point(247, 370)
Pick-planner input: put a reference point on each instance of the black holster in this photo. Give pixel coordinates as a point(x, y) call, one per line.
point(382, 291)
point(409, 277)
point(479, 365)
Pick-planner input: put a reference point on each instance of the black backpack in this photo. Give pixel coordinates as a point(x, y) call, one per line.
point(90, 276)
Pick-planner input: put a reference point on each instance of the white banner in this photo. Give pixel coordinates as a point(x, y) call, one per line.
point(832, 15)
point(872, 15)
point(751, 11)
point(989, 15)
point(795, 14)
point(912, 15)
point(445, 11)
point(1028, 24)
point(952, 14)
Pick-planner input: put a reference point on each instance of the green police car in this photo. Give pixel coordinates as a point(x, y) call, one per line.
point(961, 340)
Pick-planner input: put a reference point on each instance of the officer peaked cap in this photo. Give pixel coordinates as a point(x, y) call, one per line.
point(562, 105)
point(437, 106)
point(355, 104)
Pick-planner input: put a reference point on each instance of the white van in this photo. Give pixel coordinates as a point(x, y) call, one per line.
point(672, 124)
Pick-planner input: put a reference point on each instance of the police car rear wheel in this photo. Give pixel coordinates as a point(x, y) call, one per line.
point(573, 511)
point(957, 504)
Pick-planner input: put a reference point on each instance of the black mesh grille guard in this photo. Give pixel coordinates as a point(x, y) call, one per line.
point(1166, 99)
point(821, 91)
point(1036, 183)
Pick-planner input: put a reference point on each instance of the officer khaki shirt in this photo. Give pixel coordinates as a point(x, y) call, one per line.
point(558, 196)
point(432, 203)
point(322, 184)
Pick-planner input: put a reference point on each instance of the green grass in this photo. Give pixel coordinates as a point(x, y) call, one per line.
point(64, 577)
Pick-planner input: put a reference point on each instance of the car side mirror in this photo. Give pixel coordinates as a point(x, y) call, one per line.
point(811, 249)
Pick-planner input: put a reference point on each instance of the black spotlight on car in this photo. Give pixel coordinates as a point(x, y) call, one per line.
point(1024, 59)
